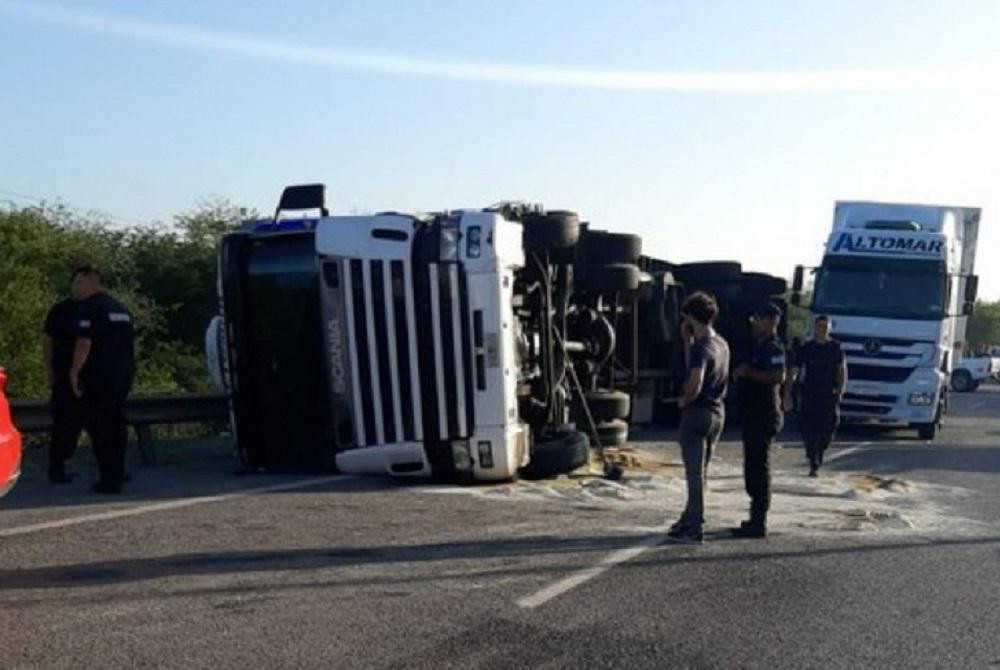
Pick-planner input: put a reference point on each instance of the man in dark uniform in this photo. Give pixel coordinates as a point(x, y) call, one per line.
point(67, 420)
point(759, 379)
point(821, 375)
point(101, 375)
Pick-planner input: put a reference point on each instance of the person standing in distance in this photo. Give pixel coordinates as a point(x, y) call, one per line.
point(702, 408)
point(101, 375)
point(57, 347)
point(821, 374)
point(760, 378)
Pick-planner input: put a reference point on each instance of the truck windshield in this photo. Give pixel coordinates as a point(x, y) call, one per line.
point(897, 289)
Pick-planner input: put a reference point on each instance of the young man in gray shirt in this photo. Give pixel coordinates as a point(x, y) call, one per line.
point(702, 407)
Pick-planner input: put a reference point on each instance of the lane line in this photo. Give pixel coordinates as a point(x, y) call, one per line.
point(846, 452)
point(569, 583)
point(164, 506)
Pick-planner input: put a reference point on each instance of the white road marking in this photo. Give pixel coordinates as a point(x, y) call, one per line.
point(164, 506)
point(560, 587)
point(846, 452)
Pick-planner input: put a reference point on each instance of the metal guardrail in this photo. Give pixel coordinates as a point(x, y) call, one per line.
point(141, 412)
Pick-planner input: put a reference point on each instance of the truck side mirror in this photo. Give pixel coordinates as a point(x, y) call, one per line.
point(797, 286)
point(797, 279)
point(971, 288)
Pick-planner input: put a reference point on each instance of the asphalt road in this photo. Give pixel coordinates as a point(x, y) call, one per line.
point(195, 567)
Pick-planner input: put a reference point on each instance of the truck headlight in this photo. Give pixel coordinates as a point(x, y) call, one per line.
point(921, 398)
point(448, 249)
point(472, 239)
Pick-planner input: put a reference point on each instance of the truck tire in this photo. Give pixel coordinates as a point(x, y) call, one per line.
point(562, 452)
point(602, 247)
point(758, 283)
point(927, 431)
point(612, 278)
point(553, 230)
point(605, 405)
point(961, 381)
point(612, 433)
point(715, 272)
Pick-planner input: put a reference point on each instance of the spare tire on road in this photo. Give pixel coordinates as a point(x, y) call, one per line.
point(561, 452)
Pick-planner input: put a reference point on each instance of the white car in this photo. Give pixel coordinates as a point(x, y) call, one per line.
point(969, 373)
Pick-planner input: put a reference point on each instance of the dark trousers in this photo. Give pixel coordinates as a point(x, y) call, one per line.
point(105, 423)
point(67, 424)
point(758, 433)
point(699, 431)
point(818, 420)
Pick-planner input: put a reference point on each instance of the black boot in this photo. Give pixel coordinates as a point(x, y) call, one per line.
point(754, 527)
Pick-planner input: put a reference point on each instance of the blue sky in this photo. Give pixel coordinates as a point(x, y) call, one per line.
point(140, 109)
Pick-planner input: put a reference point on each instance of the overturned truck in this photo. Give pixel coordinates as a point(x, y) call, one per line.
point(468, 345)
point(471, 345)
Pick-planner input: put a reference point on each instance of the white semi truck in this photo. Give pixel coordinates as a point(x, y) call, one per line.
point(470, 345)
point(898, 284)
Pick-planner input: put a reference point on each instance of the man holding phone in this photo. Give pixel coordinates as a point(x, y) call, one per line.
point(702, 407)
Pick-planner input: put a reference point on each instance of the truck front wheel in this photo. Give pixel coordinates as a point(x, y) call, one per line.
point(927, 431)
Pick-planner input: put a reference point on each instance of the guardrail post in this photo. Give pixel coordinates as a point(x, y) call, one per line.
point(147, 447)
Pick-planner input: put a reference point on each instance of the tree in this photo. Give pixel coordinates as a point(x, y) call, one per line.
point(164, 274)
point(984, 325)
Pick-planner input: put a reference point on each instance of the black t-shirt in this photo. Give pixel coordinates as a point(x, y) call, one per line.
point(109, 367)
point(60, 326)
point(712, 353)
point(818, 365)
point(758, 399)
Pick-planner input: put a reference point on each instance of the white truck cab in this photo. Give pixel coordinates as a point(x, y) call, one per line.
point(897, 282)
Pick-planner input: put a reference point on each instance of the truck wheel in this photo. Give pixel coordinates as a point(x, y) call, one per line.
point(927, 431)
point(758, 283)
point(550, 231)
point(961, 381)
point(612, 433)
point(605, 405)
point(562, 452)
point(612, 278)
point(716, 272)
point(603, 247)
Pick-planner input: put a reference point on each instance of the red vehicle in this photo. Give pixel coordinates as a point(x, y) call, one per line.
point(10, 442)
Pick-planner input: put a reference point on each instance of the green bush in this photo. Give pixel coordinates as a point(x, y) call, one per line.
point(164, 274)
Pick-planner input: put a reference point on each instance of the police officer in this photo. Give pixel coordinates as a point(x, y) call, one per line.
point(759, 379)
point(821, 375)
point(67, 420)
point(101, 375)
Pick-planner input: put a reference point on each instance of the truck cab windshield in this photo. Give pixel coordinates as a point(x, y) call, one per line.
point(884, 287)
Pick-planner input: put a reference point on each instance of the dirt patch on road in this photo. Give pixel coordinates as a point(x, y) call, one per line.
point(831, 503)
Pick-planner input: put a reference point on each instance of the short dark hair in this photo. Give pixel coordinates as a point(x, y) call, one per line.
point(701, 307)
point(86, 270)
point(822, 317)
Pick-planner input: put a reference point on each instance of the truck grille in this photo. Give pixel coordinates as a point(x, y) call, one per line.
point(385, 379)
point(878, 373)
point(446, 353)
point(865, 409)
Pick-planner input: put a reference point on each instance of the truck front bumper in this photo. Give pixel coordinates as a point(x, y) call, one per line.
point(914, 401)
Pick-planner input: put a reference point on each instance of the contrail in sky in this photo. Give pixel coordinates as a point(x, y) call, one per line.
point(966, 75)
